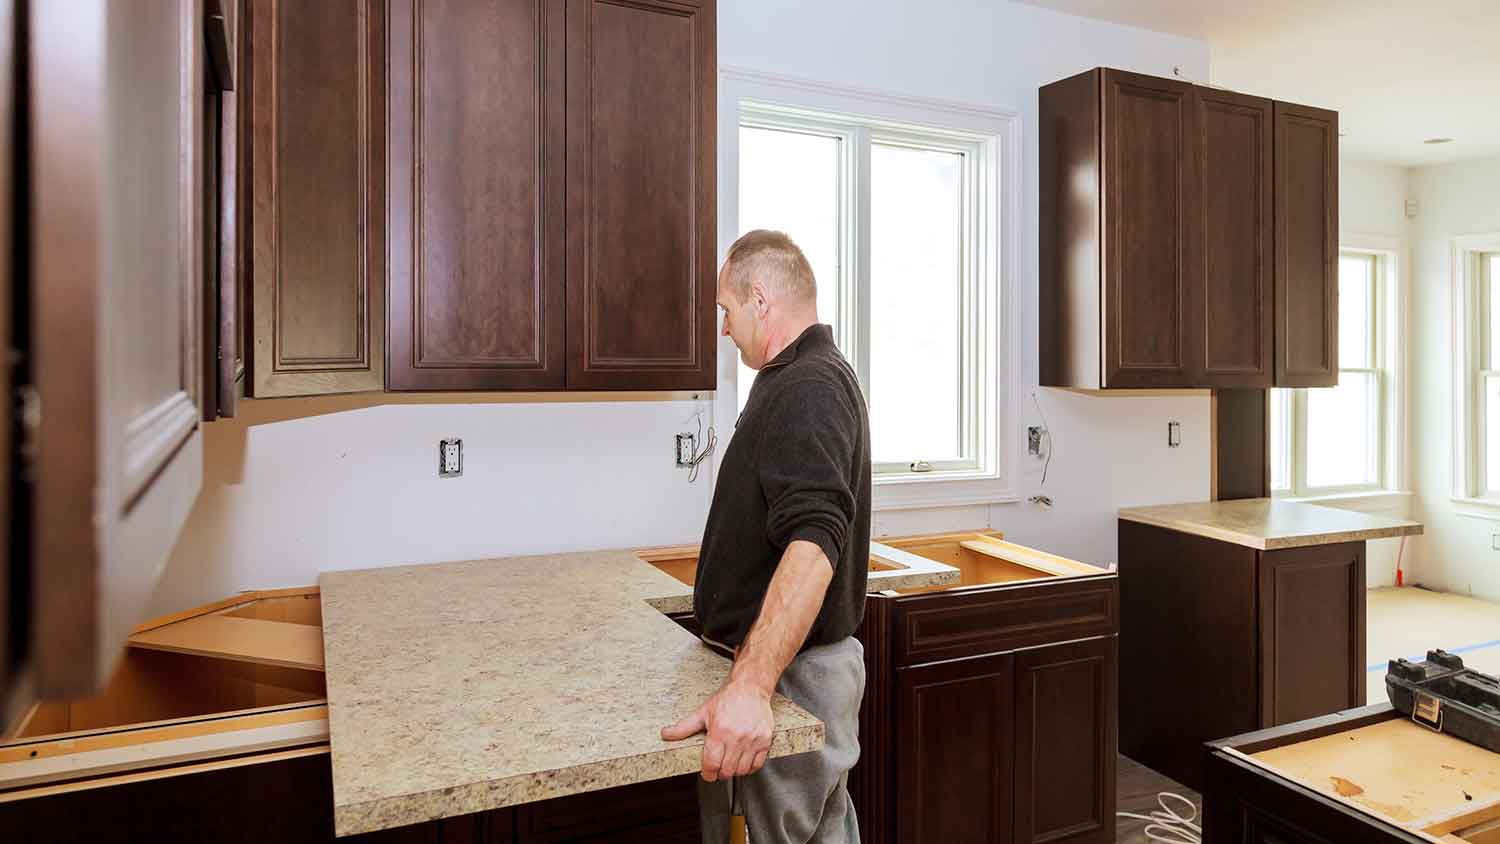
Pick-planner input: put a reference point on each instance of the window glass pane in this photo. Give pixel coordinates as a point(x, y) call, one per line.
point(916, 251)
point(1356, 278)
point(1492, 298)
point(789, 181)
point(1492, 433)
point(1341, 432)
point(1281, 430)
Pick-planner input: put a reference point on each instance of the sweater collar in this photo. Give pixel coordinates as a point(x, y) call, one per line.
point(814, 336)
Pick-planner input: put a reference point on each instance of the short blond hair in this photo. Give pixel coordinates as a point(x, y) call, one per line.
point(776, 260)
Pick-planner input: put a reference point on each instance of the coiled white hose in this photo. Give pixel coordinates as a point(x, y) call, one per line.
point(1166, 825)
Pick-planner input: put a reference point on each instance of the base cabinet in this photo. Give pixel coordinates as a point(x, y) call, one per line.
point(1281, 631)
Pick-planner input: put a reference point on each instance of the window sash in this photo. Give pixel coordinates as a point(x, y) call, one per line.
point(1484, 372)
point(853, 323)
point(1295, 403)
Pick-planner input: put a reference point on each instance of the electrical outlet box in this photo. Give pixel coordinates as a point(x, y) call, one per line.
point(687, 447)
point(1495, 541)
point(1034, 440)
point(450, 458)
point(1174, 434)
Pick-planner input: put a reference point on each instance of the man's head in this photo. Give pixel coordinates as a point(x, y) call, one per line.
point(768, 294)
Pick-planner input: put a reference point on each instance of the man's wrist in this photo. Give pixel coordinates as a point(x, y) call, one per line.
point(746, 678)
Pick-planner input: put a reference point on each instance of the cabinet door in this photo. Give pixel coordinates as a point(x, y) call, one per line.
point(318, 109)
point(1065, 719)
point(1236, 238)
point(1152, 284)
point(954, 751)
point(1312, 631)
point(1307, 246)
point(640, 159)
point(115, 284)
point(476, 191)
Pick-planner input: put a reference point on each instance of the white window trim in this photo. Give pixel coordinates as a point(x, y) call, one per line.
point(1467, 449)
point(1391, 347)
point(998, 238)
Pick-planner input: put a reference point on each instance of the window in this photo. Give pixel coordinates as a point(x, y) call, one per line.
point(897, 221)
point(1332, 440)
point(1476, 263)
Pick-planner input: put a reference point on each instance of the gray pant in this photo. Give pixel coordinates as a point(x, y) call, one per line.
point(802, 799)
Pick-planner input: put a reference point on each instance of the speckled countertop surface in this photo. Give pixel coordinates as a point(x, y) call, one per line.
point(460, 687)
point(1268, 524)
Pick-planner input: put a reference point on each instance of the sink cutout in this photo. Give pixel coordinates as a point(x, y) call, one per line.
point(682, 562)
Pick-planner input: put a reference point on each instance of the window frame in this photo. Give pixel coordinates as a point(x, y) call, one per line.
point(1471, 270)
point(1386, 318)
point(990, 143)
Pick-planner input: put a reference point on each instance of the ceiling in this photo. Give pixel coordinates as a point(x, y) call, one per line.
point(1397, 71)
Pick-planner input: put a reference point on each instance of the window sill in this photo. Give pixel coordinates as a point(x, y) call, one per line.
point(1369, 501)
point(1487, 509)
point(923, 492)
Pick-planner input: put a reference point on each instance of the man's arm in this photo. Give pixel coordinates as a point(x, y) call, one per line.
point(738, 716)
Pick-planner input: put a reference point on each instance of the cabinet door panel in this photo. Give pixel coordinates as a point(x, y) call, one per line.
point(641, 273)
point(476, 194)
point(1237, 238)
point(954, 751)
point(1312, 628)
point(1307, 238)
point(319, 262)
point(1151, 283)
point(116, 286)
point(1065, 743)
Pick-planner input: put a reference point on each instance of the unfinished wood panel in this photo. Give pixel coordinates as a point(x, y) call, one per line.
point(954, 763)
point(1065, 743)
point(1237, 243)
point(239, 639)
point(476, 174)
point(942, 547)
point(1307, 246)
point(1398, 770)
point(318, 179)
point(641, 214)
point(1312, 631)
point(292, 609)
point(116, 280)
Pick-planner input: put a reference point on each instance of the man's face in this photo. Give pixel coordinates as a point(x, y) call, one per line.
point(743, 322)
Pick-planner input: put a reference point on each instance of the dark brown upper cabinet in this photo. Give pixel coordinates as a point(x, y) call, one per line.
point(1162, 213)
point(640, 158)
point(476, 195)
point(317, 176)
point(1307, 246)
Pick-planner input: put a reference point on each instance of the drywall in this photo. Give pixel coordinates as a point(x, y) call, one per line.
point(1456, 553)
point(288, 495)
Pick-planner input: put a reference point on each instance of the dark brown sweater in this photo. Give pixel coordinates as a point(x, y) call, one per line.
point(797, 467)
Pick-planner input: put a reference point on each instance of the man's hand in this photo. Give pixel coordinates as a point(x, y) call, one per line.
point(739, 723)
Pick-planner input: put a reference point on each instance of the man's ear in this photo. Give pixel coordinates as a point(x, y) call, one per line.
point(760, 299)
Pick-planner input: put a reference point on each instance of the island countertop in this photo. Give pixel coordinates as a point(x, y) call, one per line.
point(1268, 524)
point(461, 687)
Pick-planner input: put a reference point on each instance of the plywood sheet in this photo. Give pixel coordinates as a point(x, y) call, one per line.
point(243, 639)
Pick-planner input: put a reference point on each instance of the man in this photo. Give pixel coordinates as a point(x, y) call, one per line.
point(781, 573)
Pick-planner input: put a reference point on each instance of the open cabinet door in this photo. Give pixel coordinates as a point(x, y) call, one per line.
point(116, 203)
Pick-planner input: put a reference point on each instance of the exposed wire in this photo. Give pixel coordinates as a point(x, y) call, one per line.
point(1166, 825)
point(700, 456)
point(1046, 429)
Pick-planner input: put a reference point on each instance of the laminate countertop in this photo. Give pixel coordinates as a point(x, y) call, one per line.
point(1268, 524)
point(461, 687)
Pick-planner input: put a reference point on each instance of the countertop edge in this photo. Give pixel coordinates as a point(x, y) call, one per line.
point(398, 810)
point(1208, 531)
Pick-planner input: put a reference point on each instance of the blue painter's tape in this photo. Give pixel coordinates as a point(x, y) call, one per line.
point(1381, 666)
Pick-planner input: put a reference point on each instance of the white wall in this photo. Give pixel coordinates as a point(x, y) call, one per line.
point(1464, 198)
point(1110, 452)
point(288, 495)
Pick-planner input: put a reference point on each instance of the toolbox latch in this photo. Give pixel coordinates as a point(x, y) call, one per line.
point(1428, 711)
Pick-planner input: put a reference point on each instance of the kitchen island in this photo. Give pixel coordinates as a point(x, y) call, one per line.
point(1237, 616)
